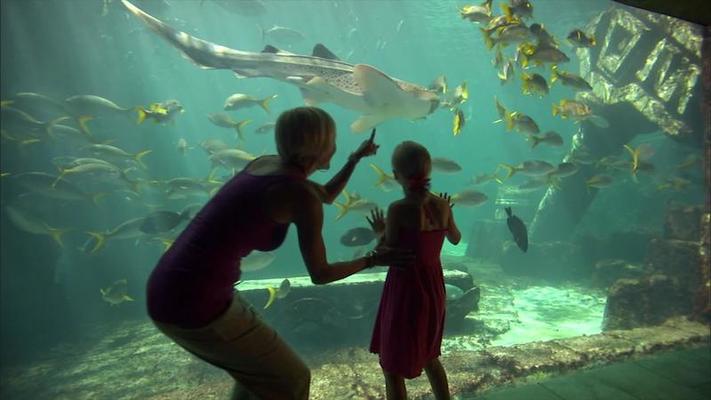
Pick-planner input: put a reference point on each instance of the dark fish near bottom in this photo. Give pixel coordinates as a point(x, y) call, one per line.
point(357, 237)
point(518, 230)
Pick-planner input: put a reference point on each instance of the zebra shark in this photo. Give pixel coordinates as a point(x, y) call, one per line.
point(321, 77)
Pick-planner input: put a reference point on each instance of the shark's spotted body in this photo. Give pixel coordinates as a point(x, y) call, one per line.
point(322, 77)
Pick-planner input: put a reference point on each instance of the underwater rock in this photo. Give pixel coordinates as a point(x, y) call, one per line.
point(682, 222)
point(485, 239)
point(555, 261)
point(702, 297)
point(609, 271)
point(341, 313)
point(631, 246)
point(680, 260)
point(649, 301)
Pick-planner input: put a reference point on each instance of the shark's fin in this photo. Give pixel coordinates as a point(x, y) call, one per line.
point(321, 51)
point(274, 50)
point(270, 49)
point(378, 88)
point(384, 96)
point(366, 122)
point(311, 98)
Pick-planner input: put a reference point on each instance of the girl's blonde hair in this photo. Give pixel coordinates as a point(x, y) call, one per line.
point(412, 162)
point(303, 134)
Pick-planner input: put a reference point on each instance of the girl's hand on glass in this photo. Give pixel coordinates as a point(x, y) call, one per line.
point(448, 198)
point(367, 148)
point(377, 221)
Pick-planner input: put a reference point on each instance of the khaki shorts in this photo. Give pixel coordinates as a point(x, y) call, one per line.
point(239, 342)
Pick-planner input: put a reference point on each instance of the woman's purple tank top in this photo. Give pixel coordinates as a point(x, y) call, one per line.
point(193, 282)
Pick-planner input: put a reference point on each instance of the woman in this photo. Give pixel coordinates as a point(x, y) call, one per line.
point(190, 293)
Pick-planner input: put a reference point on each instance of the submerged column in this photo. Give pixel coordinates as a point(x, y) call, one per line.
point(644, 72)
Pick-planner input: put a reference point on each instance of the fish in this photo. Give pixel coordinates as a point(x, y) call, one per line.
point(459, 96)
point(183, 146)
point(162, 221)
point(354, 202)
point(116, 293)
point(469, 198)
point(99, 168)
point(445, 165)
point(129, 229)
point(569, 79)
point(482, 178)
point(225, 121)
point(506, 35)
point(517, 229)
point(282, 35)
point(532, 185)
point(358, 237)
point(564, 170)
point(543, 38)
point(212, 146)
point(321, 77)
point(534, 84)
point(498, 60)
point(521, 123)
point(578, 111)
point(518, 8)
point(481, 13)
point(27, 222)
point(18, 120)
point(458, 122)
point(231, 158)
point(239, 100)
point(578, 38)
point(599, 181)
point(439, 85)
point(160, 112)
point(70, 132)
point(265, 128)
point(280, 293)
point(675, 183)
point(85, 107)
point(385, 182)
point(539, 55)
point(506, 73)
point(107, 150)
point(530, 168)
point(44, 184)
point(692, 160)
point(515, 120)
point(550, 138)
point(256, 260)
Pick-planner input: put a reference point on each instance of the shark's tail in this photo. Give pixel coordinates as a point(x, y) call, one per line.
point(203, 53)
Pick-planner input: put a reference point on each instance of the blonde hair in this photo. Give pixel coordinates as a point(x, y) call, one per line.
point(412, 162)
point(303, 134)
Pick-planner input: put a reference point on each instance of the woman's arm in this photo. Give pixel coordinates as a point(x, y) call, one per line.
point(331, 190)
point(307, 214)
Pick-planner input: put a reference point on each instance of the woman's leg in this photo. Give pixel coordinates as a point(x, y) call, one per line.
point(438, 379)
point(250, 351)
point(395, 386)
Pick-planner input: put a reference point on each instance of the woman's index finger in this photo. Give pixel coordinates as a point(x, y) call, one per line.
point(372, 135)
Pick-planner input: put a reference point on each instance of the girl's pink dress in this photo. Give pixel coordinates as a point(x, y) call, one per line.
point(408, 328)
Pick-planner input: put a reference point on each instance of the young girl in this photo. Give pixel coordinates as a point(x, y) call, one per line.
point(408, 329)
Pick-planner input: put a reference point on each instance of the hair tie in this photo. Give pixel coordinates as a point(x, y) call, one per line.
point(418, 183)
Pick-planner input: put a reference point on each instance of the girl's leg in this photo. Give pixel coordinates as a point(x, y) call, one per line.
point(438, 379)
point(395, 386)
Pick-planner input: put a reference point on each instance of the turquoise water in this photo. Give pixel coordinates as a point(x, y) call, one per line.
point(62, 48)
